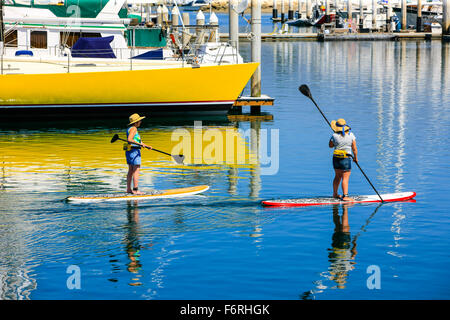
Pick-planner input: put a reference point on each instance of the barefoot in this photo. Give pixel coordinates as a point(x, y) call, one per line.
point(337, 196)
point(137, 192)
point(346, 199)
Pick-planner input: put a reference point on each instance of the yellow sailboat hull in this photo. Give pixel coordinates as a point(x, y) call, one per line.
point(168, 88)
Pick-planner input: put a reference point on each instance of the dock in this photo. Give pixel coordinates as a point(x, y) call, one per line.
point(274, 36)
point(313, 36)
point(255, 103)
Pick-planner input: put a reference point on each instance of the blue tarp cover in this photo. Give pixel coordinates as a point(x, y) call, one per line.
point(24, 53)
point(93, 48)
point(151, 55)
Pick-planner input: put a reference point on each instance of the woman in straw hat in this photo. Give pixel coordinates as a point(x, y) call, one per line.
point(344, 143)
point(133, 153)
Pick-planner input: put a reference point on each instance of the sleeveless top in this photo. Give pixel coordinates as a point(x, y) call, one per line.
point(136, 138)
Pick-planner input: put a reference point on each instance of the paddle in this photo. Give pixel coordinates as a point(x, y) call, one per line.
point(178, 158)
point(306, 92)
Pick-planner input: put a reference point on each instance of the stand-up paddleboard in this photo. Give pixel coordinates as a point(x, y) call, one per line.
point(171, 193)
point(301, 202)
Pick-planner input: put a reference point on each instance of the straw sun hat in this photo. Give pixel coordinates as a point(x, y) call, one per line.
point(340, 125)
point(135, 118)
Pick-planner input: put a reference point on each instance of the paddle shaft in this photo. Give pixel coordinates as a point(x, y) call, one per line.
point(140, 145)
point(320, 111)
point(323, 115)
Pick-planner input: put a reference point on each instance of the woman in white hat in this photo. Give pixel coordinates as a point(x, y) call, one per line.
point(133, 153)
point(344, 143)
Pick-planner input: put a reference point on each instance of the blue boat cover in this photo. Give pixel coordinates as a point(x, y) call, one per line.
point(24, 53)
point(93, 48)
point(156, 54)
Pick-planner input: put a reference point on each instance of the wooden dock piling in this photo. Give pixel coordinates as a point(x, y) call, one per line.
point(404, 13)
point(446, 19)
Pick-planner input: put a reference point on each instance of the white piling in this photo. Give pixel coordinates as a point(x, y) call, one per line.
point(186, 18)
point(174, 13)
point(148, 12)
point(388, 17)
point(446, 17)
point(291, 10)
point(234, 25)
point(350, 12)
point(200, 21)
point(404, 26)
point(165, 14)
point(159, 16)
point(274, 9)
point(186, 33)
point(374, 14)
point(308, 9)
point(336, 17)
point(256, 47)
point(214, 23)
point(361, 15)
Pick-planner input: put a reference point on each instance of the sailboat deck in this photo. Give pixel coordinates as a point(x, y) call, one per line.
point(29, 65)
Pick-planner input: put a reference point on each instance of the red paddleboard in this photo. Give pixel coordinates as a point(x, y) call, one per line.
point(301, 202)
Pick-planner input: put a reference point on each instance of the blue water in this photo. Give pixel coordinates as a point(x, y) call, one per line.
point(224, 244)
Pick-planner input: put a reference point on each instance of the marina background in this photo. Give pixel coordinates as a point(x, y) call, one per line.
point(224, 245)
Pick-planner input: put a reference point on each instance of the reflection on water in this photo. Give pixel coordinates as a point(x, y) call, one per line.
point(223, 244)
point(132, 242)
point(86, 160)
point(341, 254)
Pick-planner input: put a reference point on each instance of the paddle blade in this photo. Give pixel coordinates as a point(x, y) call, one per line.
point(114, 138)
point(305, 90)
point(178, 158)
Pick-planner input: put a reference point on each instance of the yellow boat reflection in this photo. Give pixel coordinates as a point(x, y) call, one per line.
point(91, 153)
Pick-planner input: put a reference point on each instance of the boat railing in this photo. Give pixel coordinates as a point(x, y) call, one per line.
point(196, 43)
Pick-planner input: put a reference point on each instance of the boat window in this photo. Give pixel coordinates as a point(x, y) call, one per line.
point(70, 38)
point(11, 39)
point(38, 39)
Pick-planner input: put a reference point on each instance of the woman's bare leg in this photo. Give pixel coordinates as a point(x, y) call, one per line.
point(129, 178)
point(336, 182)
point(345, 179)
point(136, 172)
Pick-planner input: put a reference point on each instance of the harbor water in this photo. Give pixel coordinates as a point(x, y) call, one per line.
point(223, 244)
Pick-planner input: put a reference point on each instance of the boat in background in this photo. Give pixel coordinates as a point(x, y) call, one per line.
point(84, 65)
point(195, 5)
point(431, 13)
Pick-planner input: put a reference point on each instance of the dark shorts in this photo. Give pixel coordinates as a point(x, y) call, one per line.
point(342, 163)
point(133, 156)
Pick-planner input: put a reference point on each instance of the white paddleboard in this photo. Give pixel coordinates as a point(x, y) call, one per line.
point(171, 193)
